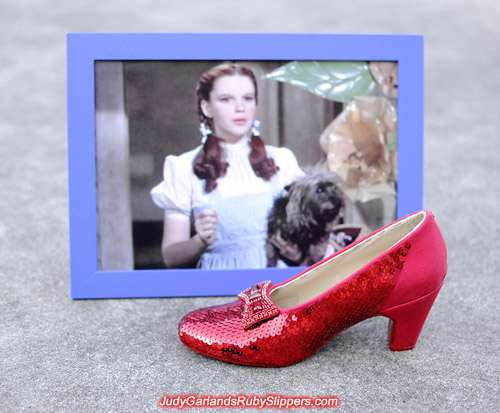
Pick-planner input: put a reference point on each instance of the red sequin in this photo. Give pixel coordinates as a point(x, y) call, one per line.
point(235, 332)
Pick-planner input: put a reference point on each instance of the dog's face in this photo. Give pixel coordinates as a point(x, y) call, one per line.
point(325, 200)
point(315, 198)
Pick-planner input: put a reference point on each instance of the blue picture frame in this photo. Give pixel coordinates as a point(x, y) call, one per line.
point(83, 50)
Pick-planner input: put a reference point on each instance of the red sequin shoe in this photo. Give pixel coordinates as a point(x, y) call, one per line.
point(395, 272)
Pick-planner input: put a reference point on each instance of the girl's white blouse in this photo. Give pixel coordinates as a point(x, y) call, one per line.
point(241, 199)
point(181, 190)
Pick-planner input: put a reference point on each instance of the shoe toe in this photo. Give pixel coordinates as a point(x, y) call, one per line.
point(212, 330)
point(218, 332)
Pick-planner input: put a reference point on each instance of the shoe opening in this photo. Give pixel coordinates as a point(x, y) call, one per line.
point(323, 277)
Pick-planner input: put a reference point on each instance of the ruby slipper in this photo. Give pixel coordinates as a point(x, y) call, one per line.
point(395, 272)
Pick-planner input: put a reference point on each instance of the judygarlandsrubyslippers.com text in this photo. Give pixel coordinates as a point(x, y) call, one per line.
point(274, 401)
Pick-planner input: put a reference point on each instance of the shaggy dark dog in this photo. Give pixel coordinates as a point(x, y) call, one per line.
point(304, 215)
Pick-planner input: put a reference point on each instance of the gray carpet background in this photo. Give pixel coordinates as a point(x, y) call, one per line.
point(123, 355)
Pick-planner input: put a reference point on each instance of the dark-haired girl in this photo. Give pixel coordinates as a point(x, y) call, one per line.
point(217, 196)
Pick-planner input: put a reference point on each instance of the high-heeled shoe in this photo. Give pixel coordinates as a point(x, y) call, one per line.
point(395, 272)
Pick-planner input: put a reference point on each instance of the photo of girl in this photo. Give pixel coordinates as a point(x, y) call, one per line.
point(240, 165)
point(217, 196)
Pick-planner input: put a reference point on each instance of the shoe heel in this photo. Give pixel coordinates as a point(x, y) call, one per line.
point(407, 320)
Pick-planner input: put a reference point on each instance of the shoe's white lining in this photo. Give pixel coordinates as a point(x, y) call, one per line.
point(320, 279)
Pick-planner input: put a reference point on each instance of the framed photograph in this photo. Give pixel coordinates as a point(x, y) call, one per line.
point(200, 164)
